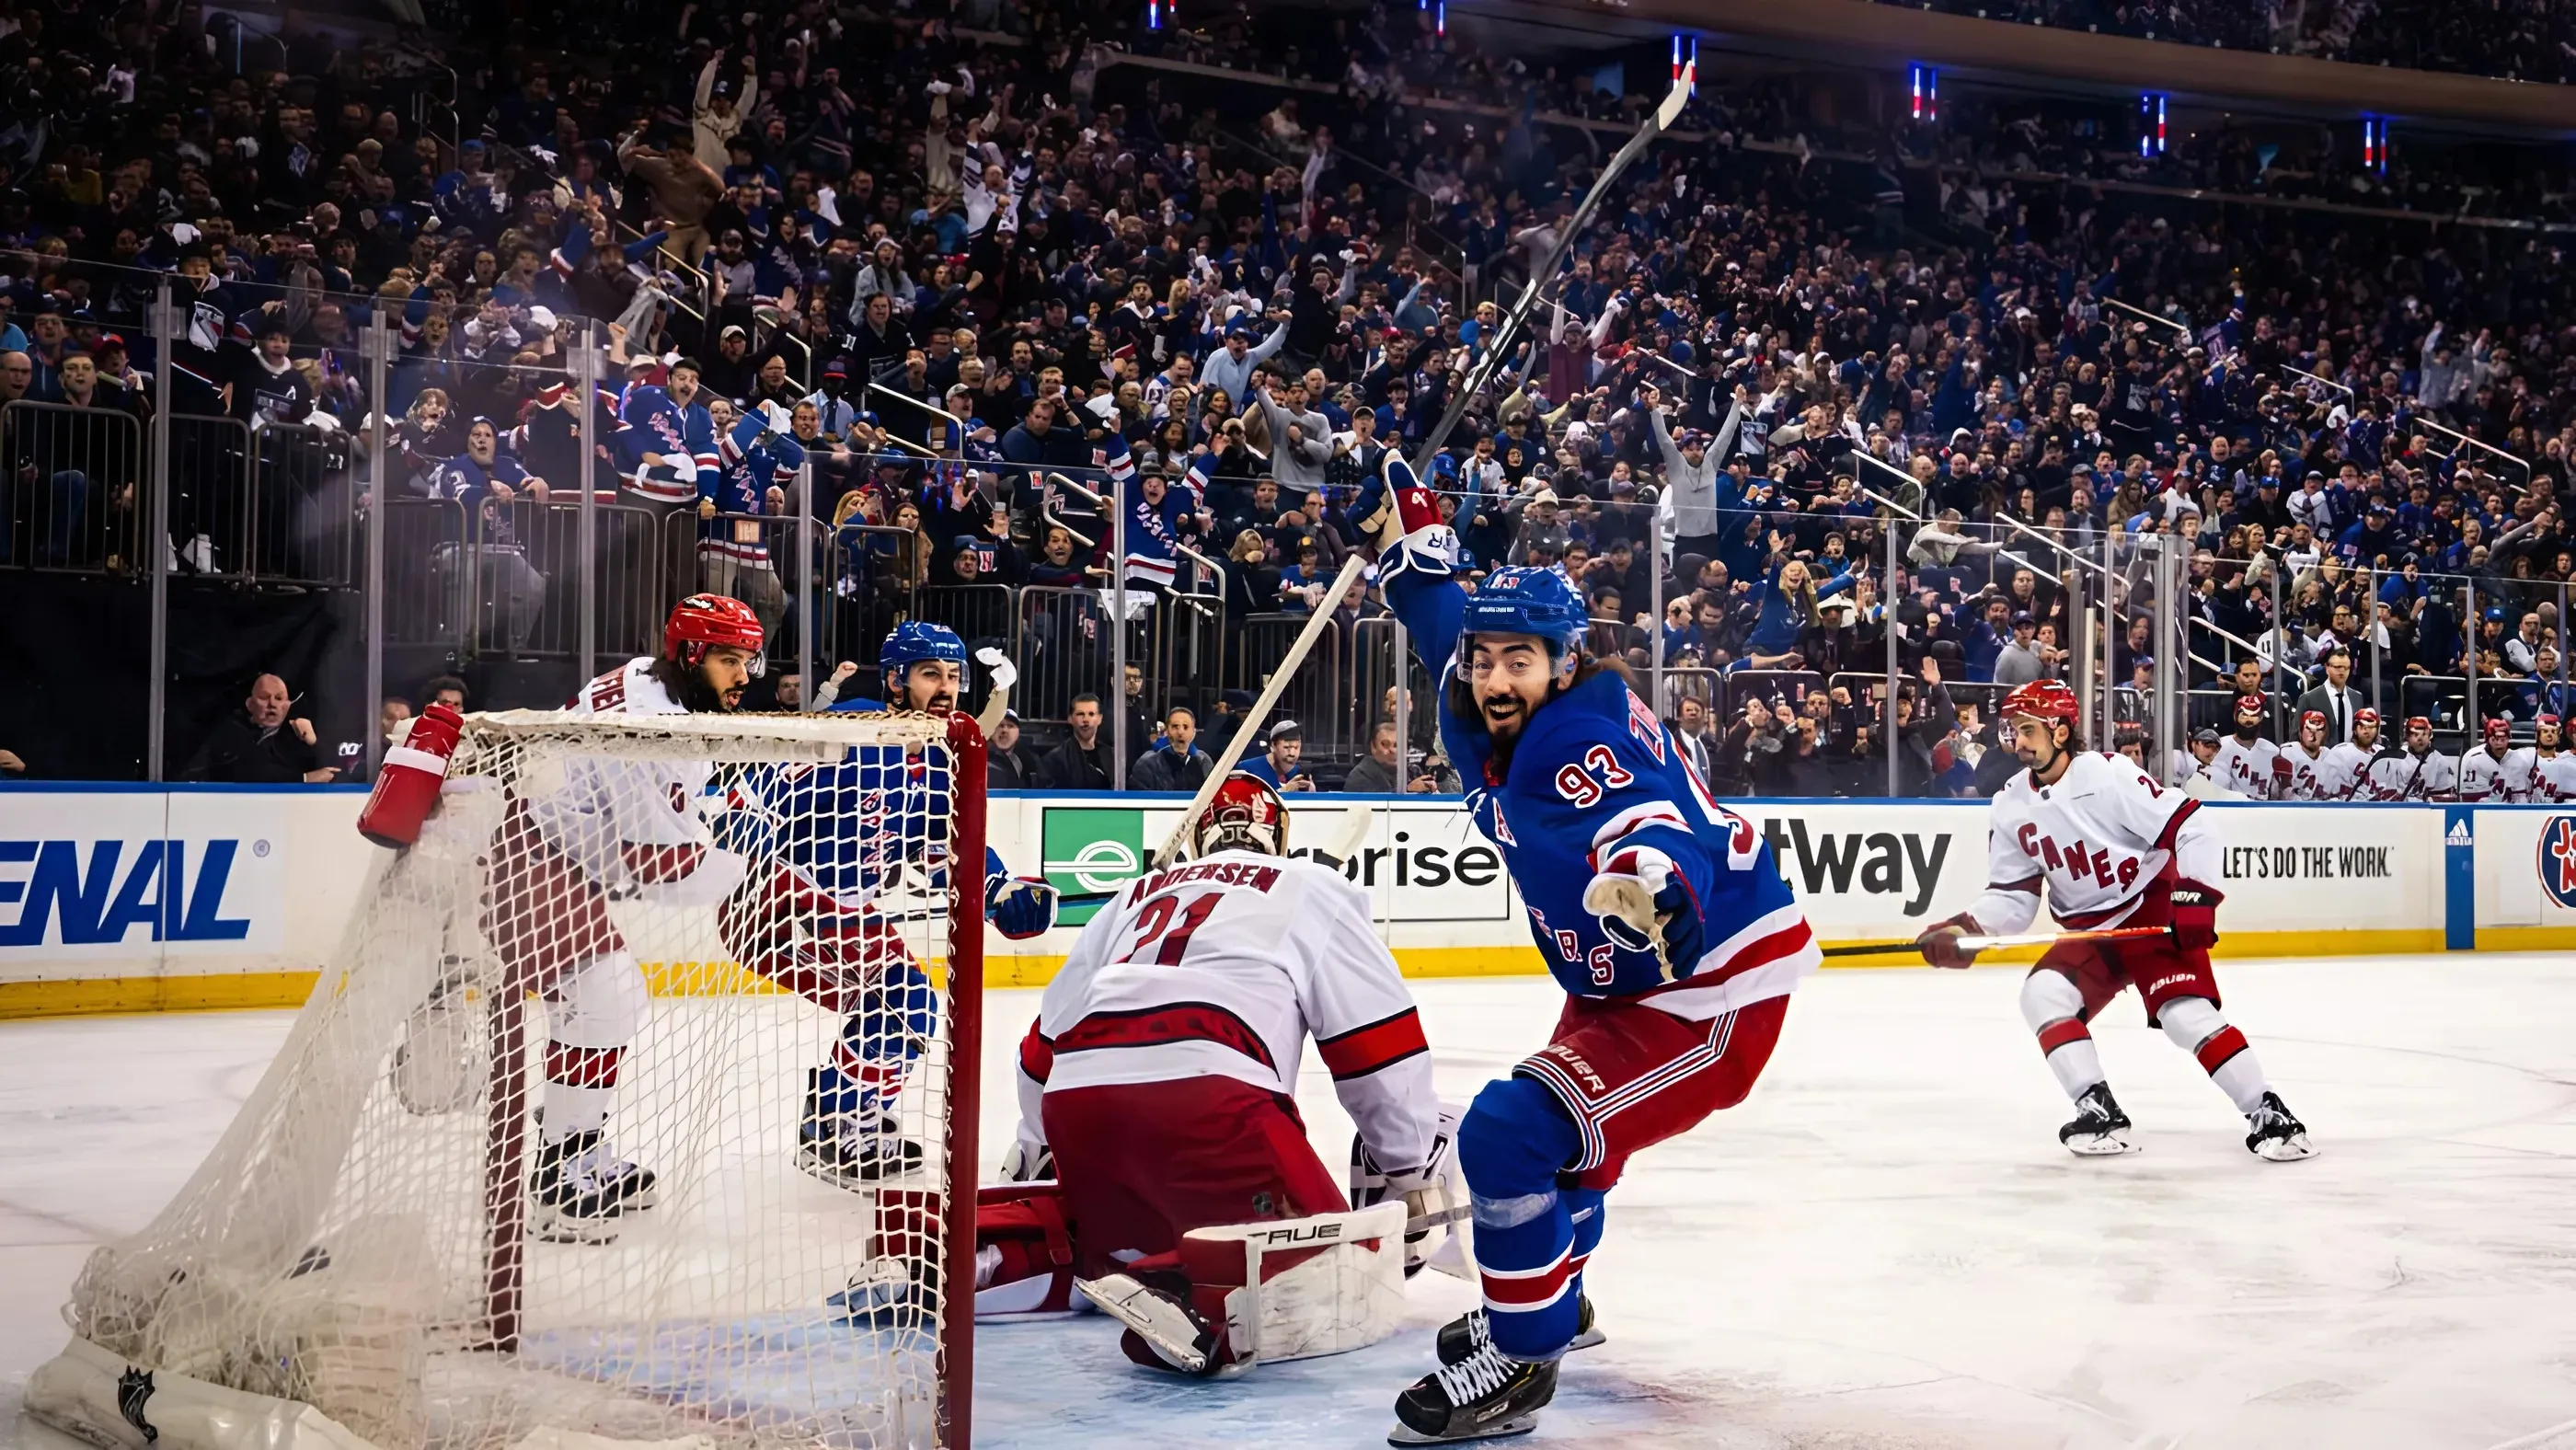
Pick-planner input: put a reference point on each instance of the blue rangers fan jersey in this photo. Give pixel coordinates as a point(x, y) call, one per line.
point(648, 421)
point(1593, 776)
point(756, 459)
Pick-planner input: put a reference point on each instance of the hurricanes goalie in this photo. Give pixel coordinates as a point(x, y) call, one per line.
point(2110, 848)
point(1156, 1095)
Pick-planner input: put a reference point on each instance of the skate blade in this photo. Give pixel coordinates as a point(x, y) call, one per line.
point(855, 1179)
point(547, 1226)
point(1166, 1329)
point(2100, 1145)
point(1404, 1434)
point(2286, 1150)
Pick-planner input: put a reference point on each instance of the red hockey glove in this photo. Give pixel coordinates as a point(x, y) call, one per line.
point(2280, 776)
point(2195, 916)
point(1939, 942)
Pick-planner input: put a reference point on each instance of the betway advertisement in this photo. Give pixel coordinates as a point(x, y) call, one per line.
point(1863, 871)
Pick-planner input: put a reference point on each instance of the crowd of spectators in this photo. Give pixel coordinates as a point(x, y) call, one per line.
point(2522, 40)
point(1022, 263)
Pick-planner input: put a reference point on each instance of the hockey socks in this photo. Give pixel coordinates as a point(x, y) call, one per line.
point(878, 1045)
point(2054, 1008)
point(1529, 1247)
point(2195, 1025)
point(591, 1016)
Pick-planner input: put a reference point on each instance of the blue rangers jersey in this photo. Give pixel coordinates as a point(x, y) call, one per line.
point(755, 460)
point(854, 830)
point(648, 421)
point(1594, 776)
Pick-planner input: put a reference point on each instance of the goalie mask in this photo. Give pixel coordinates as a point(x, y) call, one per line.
point(1244, 815)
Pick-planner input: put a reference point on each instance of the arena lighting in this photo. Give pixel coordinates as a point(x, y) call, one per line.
point(1926, 85)
point(2151, 124)
point(1440, 17)
point(2374, 143)
point(1686, 59)
point(1153, 14)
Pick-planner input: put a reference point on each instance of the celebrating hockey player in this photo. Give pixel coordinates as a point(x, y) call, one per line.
point(1157, 1083)
point(2244, 762)
point(2347, 771)
point(632, 827)
point(831, 840)
point(2109, 848)
point(1662, 916)
point(2416, 773)
point(2489, 772)
point(2301, 772)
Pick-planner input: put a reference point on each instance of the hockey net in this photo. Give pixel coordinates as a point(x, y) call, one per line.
point(366, 1238)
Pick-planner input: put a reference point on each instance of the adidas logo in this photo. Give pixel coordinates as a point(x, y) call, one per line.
point(2459, 835)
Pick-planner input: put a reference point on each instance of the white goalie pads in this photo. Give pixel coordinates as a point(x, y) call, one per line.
point(1344, 1290)
point(1435, 1201)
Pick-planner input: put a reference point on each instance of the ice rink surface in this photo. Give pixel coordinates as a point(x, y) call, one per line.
point(1885, 1247)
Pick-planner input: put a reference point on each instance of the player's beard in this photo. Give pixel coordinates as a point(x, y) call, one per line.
point(941, 701)
point(2247, 734)
point(699, 695)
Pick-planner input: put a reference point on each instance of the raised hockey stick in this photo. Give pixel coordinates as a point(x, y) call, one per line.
point(1432, 442)
point(1991, 943)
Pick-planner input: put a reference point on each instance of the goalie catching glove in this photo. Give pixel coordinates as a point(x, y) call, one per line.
point(1645, 908)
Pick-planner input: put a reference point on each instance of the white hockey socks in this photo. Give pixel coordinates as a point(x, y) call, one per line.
point(2197, 1027)
point(591, 1017)
point(2054, 1009)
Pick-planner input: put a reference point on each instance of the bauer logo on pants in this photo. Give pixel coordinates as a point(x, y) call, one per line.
point(2558, 860)
point(1090, 849)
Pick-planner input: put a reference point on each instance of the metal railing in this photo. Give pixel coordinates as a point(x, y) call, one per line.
point(71, 488)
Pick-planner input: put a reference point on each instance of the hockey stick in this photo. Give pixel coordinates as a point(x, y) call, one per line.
point(1993, 943)
point(1432, 442)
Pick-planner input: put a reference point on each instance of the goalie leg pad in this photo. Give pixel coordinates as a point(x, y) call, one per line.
point(1325, 1285)
point(1023, 1252)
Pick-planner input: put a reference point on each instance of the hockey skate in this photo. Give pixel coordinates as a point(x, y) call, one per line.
point(581, 1189)
point(1487, 1396)
point(890, 1293)
point(1466, 1336)
point(2277, 1133)
point(1163, 1331)
point(2100, 1129)
point(850, 1150)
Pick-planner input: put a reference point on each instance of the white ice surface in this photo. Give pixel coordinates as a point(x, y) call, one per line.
point(1884, 1247)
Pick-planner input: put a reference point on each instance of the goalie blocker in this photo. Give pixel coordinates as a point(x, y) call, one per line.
point(1158, 1083)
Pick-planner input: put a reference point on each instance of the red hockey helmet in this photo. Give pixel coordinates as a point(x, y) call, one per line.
point(2365, 715)
point(2043, 700)
point(704, 621)
point(2313, 720)
point(2249, 705)
point(2498, 725)
point(1245, 814)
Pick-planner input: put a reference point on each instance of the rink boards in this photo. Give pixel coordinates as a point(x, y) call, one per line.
point(151, 898)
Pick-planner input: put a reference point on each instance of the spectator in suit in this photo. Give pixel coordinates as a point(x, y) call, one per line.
point(2336, 699)
point(1689, 729)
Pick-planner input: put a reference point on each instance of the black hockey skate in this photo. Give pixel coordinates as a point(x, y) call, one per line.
point(581, 1189)
point(849, 1150)
point(2277, 1134)
point(1466, 1336)
point(2100, 1129)
point(1488, 1396)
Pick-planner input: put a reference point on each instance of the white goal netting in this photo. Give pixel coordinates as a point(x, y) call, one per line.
point(624, 1110)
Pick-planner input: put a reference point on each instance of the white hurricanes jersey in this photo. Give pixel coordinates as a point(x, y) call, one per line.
point(2406, 776)
point(2483, 776)
point(2246, 767)
point(2093, 843)
point(1221, 967)
point(606, 807)
point(2186, 767)
point(2522, 774)
point(2311, 777)
point(2554, 777)
point(2346, 775)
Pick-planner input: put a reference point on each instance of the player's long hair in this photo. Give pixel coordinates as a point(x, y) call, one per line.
point(688, 686)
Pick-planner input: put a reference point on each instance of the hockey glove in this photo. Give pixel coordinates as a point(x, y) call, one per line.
point(2281, 777)
point(1940, 942)
point(1401, 518)
point(2195, 915)
point(1021, 908)
point(1644, 905)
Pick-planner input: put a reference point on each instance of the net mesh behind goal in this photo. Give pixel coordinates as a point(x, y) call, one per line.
point(734, 936)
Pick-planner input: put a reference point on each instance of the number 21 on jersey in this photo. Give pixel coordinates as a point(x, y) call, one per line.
point(1165, 926)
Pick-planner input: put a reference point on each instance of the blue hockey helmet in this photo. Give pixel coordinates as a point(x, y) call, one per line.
point(1522, 600)
point(913, 641)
